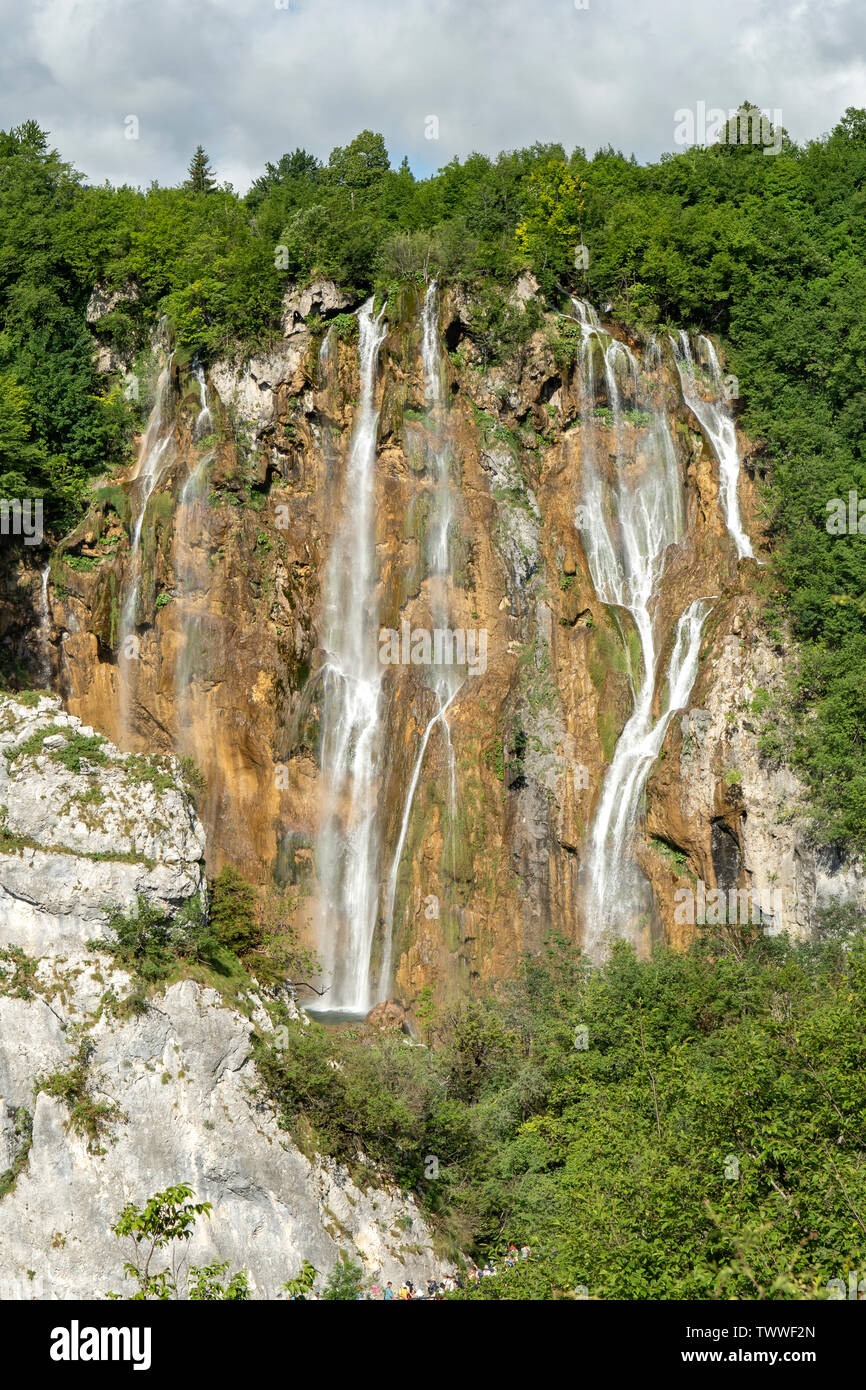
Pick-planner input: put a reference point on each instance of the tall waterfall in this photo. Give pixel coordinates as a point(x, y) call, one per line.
point(446, 681)
point(154, 456)
point(44, 630)
point(349, 845)
point(204, 419)
point(629, 516)
point(192, 575)
point(716, 419)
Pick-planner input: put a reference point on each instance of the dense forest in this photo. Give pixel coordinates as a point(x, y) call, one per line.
point(766, 253)
point(685, 1127)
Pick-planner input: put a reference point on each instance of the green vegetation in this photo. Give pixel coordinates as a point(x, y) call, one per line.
point(257, 929)
point(708, 1141)
point(150, 943)
point(345, 1280)
point(22, 1131)
point(18, 977)
point(76, 747)
point(167, 1221)
point(87, 1116)
point(677, 859)
point(302, 1284)
point(769, 254)
point(239, 936)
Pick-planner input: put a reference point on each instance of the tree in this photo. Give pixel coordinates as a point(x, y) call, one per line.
point(299, 1287)
point(345, 1279)
point(233, 912)
point(548, 232)
point(166, 1219)
point(298, 166)
point(150, 941)
point(200, 176)
point(206, 1284)
point(361, 163)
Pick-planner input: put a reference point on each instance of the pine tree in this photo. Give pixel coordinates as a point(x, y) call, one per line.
point(200, 175)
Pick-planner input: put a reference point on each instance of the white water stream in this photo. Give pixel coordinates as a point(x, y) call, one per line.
point(154, 456)
point(349, 845)
point(446, 681)
point(629, 516)
point(717, 421)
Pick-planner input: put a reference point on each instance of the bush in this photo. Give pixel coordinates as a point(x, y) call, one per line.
point(707, 1142)
point(151, 942)
point(233, 915)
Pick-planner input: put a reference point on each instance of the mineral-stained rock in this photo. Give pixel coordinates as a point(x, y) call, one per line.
point(178, 1080)
point(233, 593)
point(389, 1016)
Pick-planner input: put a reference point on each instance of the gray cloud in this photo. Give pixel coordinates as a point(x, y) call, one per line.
point(250, 80)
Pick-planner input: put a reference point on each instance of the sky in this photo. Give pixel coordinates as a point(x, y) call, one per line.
point(128, 88)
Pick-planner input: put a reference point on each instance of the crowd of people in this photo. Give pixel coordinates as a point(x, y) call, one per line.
point(452, 1282)
point(432, 1288)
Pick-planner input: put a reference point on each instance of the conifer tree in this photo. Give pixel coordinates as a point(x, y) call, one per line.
point(200, 176)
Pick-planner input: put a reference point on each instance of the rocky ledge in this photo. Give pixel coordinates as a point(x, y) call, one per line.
point(85, 830)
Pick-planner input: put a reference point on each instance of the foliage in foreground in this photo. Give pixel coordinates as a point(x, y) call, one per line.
point(167, 1222)
point(236, 936)
point(708, 1142)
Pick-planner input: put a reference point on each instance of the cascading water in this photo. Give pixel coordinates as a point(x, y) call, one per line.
point(628, 521)
point(717, 421)
point(349, 845)
point(204, 419)
point(45, 628)
point(192, 576)
point(154, 455)
point(445, 681)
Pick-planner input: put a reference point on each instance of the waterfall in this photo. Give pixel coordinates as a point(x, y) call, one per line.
point(717, 421)
point(629, 516)
point(445, 681)
point(204, 419)
point(348, 852)
point(45, 628)
point(192, 576)
point(154, 455)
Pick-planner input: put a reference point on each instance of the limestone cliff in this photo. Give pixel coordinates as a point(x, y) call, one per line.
point(86, 830)
point(227, 659)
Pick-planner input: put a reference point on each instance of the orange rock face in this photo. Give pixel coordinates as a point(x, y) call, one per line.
point(228, 665)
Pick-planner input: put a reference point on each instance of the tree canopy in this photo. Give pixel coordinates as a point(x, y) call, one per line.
point(767, 253)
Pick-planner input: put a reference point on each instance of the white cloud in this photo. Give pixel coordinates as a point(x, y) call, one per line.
point(250, 81)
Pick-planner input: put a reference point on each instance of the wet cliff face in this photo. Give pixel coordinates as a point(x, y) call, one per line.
point(487, 783)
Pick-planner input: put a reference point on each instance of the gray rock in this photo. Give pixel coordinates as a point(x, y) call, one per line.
point(179, 1078)
point(322, 297)
point(102, 300)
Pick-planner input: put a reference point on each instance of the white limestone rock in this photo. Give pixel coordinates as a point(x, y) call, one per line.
point(179, 1078)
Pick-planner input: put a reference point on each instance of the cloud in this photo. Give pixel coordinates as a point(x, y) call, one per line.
point(250, 80)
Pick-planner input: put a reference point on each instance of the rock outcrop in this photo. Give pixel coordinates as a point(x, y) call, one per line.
point(85, 830)
point(389, 1016)
point(322, 298)
point(230, 655)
